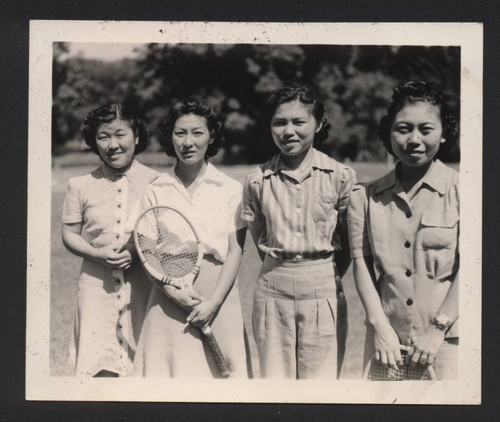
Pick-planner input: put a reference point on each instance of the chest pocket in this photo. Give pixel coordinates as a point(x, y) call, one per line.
point(439, 230)
point(324, 208)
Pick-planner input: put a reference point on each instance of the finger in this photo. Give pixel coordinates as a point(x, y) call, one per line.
point(383, 358)
point(196, 296)
point(424, 359)
point(398, 357)
point(415, 358)
point(392, 361)
point(430, 358)
point(191, 315)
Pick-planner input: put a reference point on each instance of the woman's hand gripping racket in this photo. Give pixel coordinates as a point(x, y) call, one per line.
point(376, 371)
point(170, 251)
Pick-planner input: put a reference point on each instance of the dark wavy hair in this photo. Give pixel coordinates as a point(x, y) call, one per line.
point(291, 91)
point(199, 107)
point(108, 113)
point(411, 93)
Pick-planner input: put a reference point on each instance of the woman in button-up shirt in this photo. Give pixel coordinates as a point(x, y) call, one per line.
point(171, 344)
point(295, 205)
point(404, 227)
point(112, 292)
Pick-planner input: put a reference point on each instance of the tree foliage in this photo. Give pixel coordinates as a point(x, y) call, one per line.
point(354, 82)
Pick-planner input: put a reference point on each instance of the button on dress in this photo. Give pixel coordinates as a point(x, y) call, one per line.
point(110, 304)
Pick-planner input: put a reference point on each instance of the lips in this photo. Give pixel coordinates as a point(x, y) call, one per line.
point(415, 153)
point(289, 141)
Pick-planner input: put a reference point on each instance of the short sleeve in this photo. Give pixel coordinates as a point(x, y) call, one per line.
point(251, 208)
point(73, 205)
point(357, 224)
point(347, 181)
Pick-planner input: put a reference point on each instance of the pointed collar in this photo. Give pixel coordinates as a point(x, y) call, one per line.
point(318, 160)
point(211, 175)
point(433, 178)
point(112, 176)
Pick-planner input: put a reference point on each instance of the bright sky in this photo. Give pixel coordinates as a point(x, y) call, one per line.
point(103, 51)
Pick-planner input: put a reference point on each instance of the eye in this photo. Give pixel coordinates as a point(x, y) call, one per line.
point(300, 122)
point(178, 133)
point(426, 130)
point(278, 123)
point(403, 129)
point(199, 133)
point(102, 137)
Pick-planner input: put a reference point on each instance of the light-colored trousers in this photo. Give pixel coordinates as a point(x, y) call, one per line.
point(299, 319)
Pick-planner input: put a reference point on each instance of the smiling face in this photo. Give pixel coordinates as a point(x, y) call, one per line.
point(417, 133)
point(116, 143)
point(191, 138)
point(293, 128)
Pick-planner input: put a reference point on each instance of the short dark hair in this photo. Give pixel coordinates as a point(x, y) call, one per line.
point(411, 93)
point(107, 114)
point(198, 107)
point(291, 91)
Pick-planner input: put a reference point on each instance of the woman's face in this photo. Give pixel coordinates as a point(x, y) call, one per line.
point(116, 143)
point(293, 127)
point(417, 133)
point(191, 138)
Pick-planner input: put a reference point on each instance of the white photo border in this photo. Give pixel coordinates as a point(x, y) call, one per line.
point(40, 385)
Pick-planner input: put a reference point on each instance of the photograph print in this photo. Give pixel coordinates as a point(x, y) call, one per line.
point(271, 209)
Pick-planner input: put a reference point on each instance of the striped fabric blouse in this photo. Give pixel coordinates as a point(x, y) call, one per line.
point(301, 208)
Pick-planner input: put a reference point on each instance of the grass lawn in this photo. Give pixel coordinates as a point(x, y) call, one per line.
point(65, 271)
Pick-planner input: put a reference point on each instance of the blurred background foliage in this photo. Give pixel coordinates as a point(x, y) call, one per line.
point(355, 84)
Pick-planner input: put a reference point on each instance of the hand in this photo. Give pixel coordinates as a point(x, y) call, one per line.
point(121, 259)
point(387, 347)
point(185, 297)
point(425, 347)
point(203, 313)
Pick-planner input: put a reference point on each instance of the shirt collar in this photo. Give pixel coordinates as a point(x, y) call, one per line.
point(211, 175)
point(434, 179)
point(129, 173)
point(318, 161)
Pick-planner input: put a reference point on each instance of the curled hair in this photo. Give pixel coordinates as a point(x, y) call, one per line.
point(411, 93)
point(291, 91)
point(107, 114)
point(198, 107)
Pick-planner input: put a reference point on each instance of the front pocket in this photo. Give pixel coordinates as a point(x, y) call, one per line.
point(439, 230)
point(324, 208)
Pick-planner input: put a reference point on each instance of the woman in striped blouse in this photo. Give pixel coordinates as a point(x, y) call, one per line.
point(295, 205)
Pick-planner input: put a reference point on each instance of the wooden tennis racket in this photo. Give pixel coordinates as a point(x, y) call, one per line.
point(170, 251)
point(376, 371)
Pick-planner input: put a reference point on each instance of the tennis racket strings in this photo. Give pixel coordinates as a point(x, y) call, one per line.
point(167, 242)
point(376, 371)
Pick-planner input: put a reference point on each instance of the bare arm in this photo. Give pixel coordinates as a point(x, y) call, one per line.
point(203, 313)
point(386, 343)
point(427, 345)
point(75, 243)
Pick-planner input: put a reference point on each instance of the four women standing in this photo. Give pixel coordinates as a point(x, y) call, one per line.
point(295, 207)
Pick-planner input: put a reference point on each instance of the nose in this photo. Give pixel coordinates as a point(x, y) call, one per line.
point(288, 129)
point(188, 141)
point(415, 137)
point(113, 143)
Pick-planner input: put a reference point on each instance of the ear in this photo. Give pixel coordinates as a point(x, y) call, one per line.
point(443, 140)
point(136, 140)
point(320, 125)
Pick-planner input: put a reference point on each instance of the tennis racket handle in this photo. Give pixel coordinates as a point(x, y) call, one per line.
point(216, 352)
